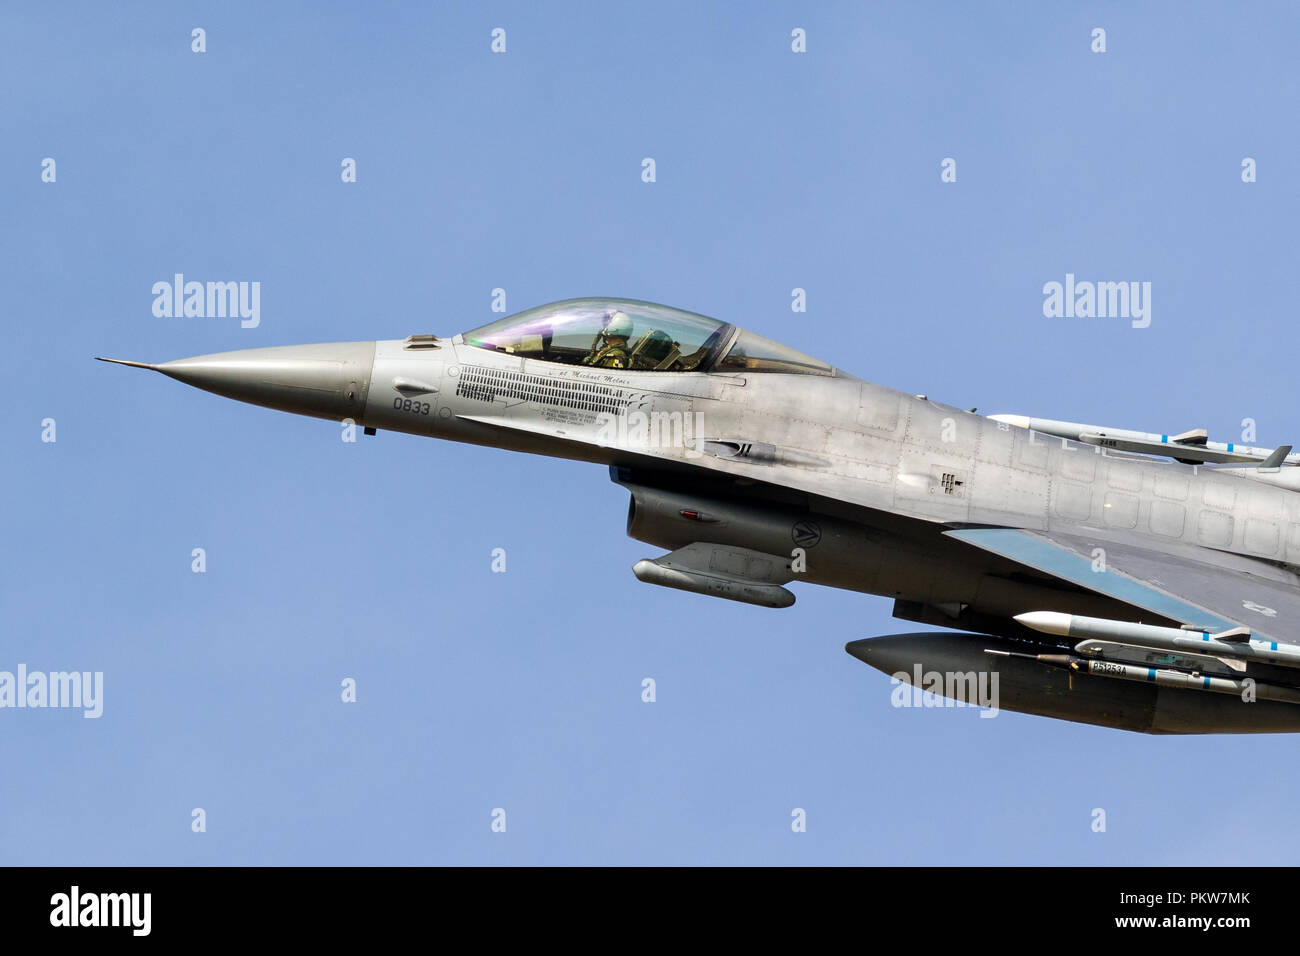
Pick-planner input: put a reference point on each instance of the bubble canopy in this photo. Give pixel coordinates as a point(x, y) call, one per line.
point(647, 337)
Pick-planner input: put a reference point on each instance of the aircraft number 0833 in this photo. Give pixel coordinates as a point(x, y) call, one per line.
point(406, 405)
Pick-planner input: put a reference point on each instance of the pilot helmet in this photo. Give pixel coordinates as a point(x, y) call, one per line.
point(618, 326)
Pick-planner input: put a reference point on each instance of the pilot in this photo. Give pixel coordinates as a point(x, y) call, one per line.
point(610, 347)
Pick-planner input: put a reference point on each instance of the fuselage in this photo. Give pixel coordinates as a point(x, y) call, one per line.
point(744, 423)
point(755, 466)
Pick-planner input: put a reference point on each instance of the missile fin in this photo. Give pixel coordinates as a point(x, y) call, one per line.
point(1275, 459)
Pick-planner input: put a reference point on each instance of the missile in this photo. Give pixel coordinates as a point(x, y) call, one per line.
point(1158, 657)
point(1236, 643)
point(1164, 677)
point(1191, 446)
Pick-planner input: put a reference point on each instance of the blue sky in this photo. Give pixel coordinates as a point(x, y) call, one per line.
point(522, 171)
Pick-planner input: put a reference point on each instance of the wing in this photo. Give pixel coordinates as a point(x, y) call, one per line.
point(1209, 589)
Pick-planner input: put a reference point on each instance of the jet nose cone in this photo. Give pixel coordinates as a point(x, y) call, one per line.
point(324, 381)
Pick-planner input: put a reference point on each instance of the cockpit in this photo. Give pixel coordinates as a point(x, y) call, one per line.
point(638, 336)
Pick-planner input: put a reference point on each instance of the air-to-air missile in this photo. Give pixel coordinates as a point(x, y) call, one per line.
point(1236, 642)
point(1161, 676)
point(1189, 447)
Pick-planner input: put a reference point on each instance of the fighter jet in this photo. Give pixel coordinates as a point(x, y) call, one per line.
point(1125, 579)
